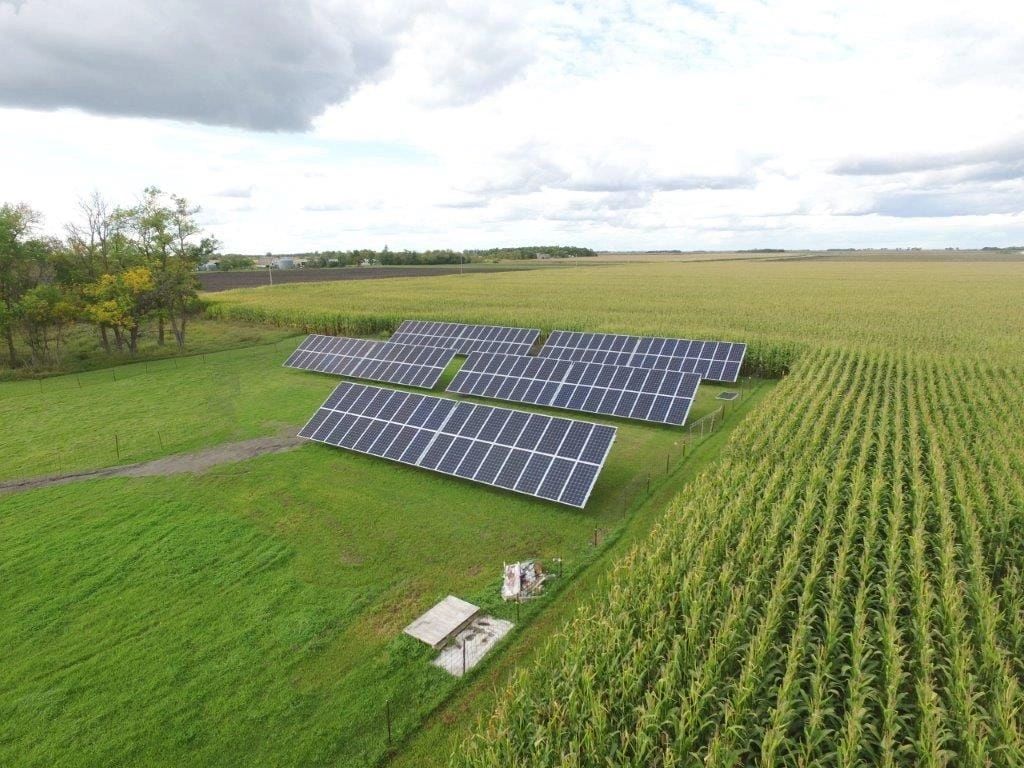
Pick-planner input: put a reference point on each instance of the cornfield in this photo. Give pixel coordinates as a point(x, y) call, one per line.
point(780, 309)
point(843, 588)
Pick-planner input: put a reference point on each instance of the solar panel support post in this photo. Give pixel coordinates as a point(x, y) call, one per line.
point(387, 717)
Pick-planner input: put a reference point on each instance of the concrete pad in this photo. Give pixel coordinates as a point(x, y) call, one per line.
point(442, 621)
point(478, 638)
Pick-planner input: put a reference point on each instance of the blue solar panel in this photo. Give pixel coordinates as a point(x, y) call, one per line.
point(712, 360)
point(467, 338)
point(645, 394)
point(528, 453)
point(413, 366)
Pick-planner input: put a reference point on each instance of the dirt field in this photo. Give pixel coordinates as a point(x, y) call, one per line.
point(225, 281)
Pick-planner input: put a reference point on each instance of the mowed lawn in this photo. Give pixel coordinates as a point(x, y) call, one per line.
point(252, 614)
point(146, 410)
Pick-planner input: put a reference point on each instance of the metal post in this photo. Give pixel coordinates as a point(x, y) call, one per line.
point(387, 711)
point(666, 463)
point(117, 446)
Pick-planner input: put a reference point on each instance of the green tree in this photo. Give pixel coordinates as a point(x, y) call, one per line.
point(43, 313)
point(121, 302)
point(20, 253)
point(166, 232)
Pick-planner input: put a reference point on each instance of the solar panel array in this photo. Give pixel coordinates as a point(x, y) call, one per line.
point(467, 338)
point(646, 394)
point(547, 457)
point(714, 360)
point(413, 366)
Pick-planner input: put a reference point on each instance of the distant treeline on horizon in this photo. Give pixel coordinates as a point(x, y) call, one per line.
point(443, 256)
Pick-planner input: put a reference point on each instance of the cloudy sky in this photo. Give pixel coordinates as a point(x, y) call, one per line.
point(304, 125)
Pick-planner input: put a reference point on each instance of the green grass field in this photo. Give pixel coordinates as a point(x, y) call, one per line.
point(254, 610)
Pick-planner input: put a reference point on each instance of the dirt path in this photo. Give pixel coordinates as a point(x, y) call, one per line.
point(200, 461)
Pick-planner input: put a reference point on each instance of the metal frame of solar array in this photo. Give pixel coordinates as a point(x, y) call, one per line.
point(547, 457)
point(713, 360)
point(467, 338)
point(407, 364)
point(646, 394)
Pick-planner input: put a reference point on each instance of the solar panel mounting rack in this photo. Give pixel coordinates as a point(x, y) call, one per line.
point(713, 360)
point(467, 338)
point(645, 394)
point(547, 457)
point(405, 364)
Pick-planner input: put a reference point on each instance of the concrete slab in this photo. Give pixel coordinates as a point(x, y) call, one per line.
point(477, 639)
point(442, 621)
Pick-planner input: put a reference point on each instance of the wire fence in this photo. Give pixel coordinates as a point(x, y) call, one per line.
point(402, 713)
point(176, 364)
point(460, 656)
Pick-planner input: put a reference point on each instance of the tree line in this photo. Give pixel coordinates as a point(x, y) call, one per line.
point(116, 268)
point(413, 258)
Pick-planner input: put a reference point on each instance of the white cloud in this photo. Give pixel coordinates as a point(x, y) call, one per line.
point(609, 123)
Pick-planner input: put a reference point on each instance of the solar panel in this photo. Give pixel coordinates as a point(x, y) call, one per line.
point(646, 394)
point(467, 338)
point(413, 366)
point(551, 458)
point(713, 360)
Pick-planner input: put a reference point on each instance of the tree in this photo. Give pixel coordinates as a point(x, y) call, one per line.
point(122, 302)
point(43, 313)
point(96, 245)
point(19, 261)
point(165, 235)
